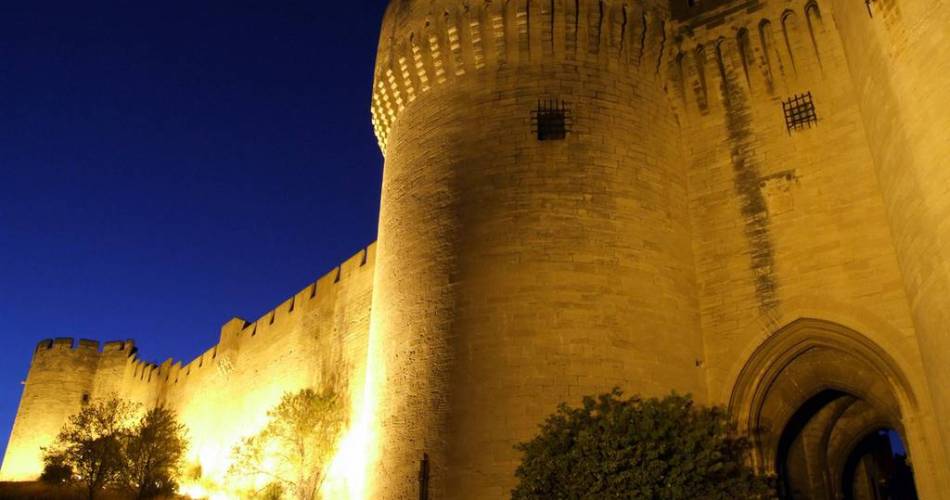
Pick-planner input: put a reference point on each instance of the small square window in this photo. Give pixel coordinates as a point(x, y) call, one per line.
point(85, 399)
point(799, 112)
point(551, 120)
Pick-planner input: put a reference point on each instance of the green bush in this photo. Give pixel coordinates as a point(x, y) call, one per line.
point(56, 471)
point(613, 447)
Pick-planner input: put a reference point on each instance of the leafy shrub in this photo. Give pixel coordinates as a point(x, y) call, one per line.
point(56, 472)
point(613, 447)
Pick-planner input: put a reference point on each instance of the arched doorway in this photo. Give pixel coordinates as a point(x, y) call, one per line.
point(823, 405)
point(878, 468)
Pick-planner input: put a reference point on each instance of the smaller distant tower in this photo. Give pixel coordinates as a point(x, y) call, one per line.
point(59, 383)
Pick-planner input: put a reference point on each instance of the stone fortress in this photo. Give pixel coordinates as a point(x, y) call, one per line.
point(744, 200)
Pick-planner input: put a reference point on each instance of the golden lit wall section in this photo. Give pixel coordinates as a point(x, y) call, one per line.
point(316, 339)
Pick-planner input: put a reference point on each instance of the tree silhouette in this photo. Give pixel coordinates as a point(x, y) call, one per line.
point(91, 442)
point(154, 452)
point(108, 444)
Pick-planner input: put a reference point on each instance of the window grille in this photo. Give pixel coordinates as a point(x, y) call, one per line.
point(551, 120)
point(799, 112)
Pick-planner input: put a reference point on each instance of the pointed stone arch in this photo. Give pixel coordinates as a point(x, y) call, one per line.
point(800, 383)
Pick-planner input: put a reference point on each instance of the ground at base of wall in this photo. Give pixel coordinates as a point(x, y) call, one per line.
point(35, 490)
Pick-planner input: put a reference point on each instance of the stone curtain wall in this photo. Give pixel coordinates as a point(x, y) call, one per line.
point(315, 339)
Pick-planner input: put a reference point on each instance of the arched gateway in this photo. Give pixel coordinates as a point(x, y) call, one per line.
point(827, 410)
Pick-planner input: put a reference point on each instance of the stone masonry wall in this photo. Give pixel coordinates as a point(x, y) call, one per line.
point(787, 224)
point(315, 339)
point(897, 54)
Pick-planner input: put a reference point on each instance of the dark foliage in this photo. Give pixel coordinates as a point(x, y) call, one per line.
point(154, 452)
point(56, 472)
point(106, 446)
point(613, 447)
point(91, 443)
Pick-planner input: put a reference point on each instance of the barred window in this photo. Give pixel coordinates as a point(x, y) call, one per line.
point(799, 112)
point(551, 120)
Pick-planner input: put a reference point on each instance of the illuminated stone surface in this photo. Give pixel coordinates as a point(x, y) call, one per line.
point(679, 237)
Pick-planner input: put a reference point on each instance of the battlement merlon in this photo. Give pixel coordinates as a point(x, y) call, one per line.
point(62, 344)
point(427, 43)
point(84, 345)
point(232, 332)
point(237, 328)
point(126, 346)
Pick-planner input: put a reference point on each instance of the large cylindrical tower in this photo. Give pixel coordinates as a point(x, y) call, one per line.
point(533, 237)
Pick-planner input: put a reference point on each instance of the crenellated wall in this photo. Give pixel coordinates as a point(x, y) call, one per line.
point(316, 339)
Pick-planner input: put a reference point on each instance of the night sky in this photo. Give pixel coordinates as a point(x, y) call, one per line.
point(167, 165)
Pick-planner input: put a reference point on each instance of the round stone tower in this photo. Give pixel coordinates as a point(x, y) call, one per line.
point(60, 381)
point(533, 237)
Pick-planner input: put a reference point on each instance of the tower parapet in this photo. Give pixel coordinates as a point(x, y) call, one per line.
point(428, 44)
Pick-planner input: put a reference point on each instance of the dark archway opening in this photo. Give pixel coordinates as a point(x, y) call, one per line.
point(791, 435)
point(874, 467)
point(878, 469)
point(824, 407)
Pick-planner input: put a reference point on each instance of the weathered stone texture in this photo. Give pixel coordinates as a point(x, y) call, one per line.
point(899, 65)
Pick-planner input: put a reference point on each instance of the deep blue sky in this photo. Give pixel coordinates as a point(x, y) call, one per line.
point(167, 165)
